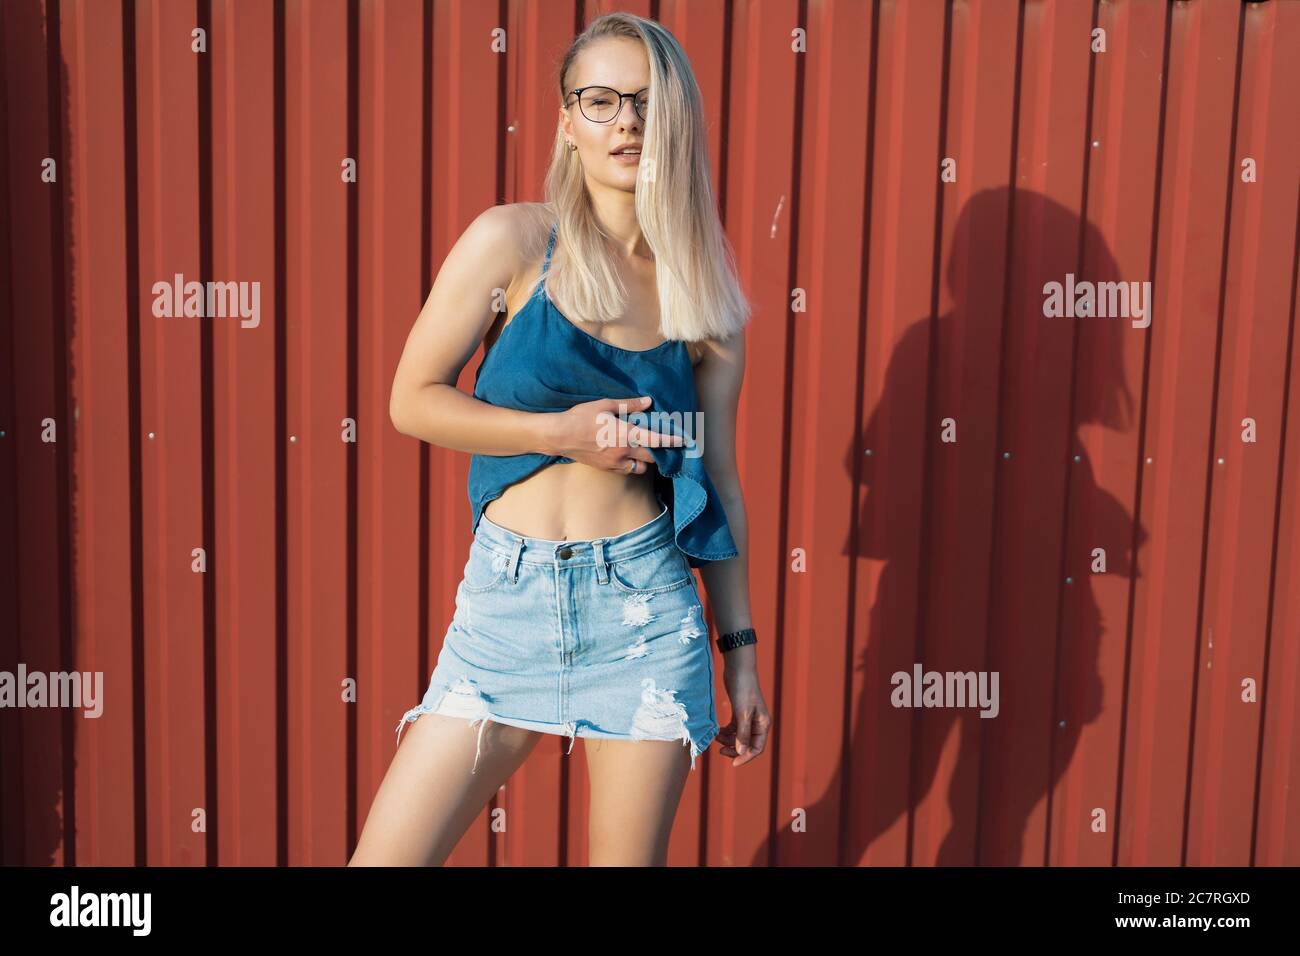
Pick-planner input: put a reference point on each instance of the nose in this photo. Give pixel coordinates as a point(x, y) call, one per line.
point(627, 104)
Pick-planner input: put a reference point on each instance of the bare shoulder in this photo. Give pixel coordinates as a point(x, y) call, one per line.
point(522, 229)
point(496, 231)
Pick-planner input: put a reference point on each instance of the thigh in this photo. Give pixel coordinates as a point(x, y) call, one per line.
point(429, 797)
point(635, 788)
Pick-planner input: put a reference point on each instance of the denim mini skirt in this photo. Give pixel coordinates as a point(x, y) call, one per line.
point(602, 638)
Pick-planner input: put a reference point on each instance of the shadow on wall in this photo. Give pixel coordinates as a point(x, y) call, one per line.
point(972, 544)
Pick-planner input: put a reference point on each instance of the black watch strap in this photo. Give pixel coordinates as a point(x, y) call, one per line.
point(735, 639)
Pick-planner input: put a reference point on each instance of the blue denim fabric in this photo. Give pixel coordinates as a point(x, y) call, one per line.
point(542, 362)
point(598, 638)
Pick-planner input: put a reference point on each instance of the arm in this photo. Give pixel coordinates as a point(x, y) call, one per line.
point(425, 402)
point(717, 384)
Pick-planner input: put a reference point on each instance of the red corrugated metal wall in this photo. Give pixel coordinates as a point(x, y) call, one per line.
point(1147, 712)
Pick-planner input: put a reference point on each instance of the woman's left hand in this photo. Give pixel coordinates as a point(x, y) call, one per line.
point(745, 737)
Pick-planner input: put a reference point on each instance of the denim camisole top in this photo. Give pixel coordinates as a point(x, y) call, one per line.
point(542, 362)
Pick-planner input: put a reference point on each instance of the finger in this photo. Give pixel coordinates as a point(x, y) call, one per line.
point(640, 454)
point(653, 439)
point(742, 732)
point(760, 726)
point(632, 434)
point(623, 405)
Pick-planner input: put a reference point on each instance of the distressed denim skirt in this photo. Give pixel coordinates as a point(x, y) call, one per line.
point(600, 638)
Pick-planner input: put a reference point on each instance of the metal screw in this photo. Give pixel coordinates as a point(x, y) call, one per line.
point(1078, 458)
point(868, 452)
point(151, 436)
point(293, 438)
point(1006, 454)
point(1148, 461)
point(1220, 461)
point(1069, 580)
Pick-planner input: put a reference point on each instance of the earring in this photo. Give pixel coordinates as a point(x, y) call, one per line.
point(572, 145)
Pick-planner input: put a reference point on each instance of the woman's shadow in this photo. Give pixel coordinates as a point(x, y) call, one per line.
point(971, 542)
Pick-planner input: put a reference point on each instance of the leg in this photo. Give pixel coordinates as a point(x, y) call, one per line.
point(428, 797)
point(635, 789)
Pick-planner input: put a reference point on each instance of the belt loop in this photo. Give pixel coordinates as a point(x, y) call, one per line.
point(598, 549)
point(514, 560)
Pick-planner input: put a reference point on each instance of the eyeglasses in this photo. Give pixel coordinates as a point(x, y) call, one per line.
point(600, 104)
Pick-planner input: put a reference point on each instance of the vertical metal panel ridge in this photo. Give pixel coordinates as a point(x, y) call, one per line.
point(280, 435)
point(41, 760)
point(931, 640)
point(824, 346)
point(1276, 839)
point(1141, 534)
point(99, 348)
point(907, 43)
point(174, 674)
point(1246, 437)
point(245, 425)
point(11, 828)
point(60, 209)
point(1209, 471)
point(1069, 583)
point(758, 218)
point(1193, 204)
point(316, 341)
point(1119, 231)
point(1275, 29)
point(35, 740)
point(389, 297)
point(971, 282)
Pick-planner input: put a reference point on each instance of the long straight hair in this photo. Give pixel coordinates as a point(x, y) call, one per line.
point(699, 293)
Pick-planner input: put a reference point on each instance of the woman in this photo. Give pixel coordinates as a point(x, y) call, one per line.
point(594, 488)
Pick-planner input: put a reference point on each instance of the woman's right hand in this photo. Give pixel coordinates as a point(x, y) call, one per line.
point(593, 434)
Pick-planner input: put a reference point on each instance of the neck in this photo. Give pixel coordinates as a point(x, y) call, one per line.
point(616, 215)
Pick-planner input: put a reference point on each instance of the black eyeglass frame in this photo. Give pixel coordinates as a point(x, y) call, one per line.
point(621, 97)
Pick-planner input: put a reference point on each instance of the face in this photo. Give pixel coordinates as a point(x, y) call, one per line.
point(620, 65)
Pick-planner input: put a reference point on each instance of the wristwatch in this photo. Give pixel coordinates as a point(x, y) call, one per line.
point(735, 639)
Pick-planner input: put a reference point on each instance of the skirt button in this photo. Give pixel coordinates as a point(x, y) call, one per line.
point(566, 552)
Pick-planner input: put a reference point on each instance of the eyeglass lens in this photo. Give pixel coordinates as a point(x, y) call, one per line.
point(600, 104)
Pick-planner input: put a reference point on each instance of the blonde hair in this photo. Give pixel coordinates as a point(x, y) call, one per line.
point(699, 293)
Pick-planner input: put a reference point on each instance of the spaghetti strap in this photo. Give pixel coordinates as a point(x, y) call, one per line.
point(546, 262)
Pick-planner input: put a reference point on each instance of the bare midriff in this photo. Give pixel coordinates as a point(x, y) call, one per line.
point(570, 501)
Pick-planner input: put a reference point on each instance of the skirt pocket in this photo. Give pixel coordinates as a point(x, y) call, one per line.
point(661, 570)
point(485, 569)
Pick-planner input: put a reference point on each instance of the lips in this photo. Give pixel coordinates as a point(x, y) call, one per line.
point(626, 150)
